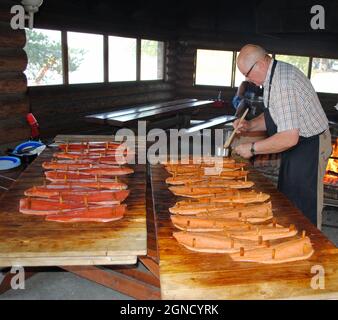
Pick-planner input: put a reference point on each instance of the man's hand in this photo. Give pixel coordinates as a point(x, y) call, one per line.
point(244, 150)
point(243, 126)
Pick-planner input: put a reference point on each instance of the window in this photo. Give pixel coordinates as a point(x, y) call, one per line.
point(152, 55)
point(122, 59)
point(324, 75)
point(213, 67)
point(302, 63)
point(85, 57)
point(43, 48)
point(239, 77)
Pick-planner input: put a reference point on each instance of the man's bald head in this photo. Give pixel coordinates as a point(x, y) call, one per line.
point(248, 55)
point(253, 62)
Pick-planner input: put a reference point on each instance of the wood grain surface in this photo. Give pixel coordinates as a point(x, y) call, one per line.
point(185, 274)
point(29, 240)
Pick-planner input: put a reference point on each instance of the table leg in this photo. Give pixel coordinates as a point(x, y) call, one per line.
point(151, 265)
point(124, 283)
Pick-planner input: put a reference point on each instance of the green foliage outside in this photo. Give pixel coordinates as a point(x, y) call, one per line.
point(301, 63)
point(150, 47)
point(45, 57)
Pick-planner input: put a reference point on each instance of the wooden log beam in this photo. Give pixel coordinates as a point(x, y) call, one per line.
point(13, 135)
point(13, 107)
point(119, 282)
point(13, 83)
point(10, 38)
point(86, 91)
point(13, 60)
point(13, 129)
point(80, 107)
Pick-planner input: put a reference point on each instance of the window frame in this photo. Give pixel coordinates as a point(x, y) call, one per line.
point(233, 73)
point(232, 79)
point(65, 61)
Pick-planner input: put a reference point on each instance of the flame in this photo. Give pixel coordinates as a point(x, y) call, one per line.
point(332, 166)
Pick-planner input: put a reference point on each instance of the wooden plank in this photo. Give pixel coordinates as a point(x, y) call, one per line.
point(210, 123)
point(116, 281)
point(151, 265)
point(146, 277)
point(186, 274)
point(10, 38)
point(30, 240)
point(13, 83)
point(160, 112)
point(13, 107)
point(44, 96)
point(137, 109)
point(48, 261)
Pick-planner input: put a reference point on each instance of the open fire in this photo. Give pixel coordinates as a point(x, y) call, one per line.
point(331, 176)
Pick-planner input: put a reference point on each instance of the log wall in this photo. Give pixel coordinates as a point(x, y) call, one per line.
point(14, 103)
point(61, 109)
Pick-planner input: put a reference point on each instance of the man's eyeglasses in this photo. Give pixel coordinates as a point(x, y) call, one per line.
point(247, 74)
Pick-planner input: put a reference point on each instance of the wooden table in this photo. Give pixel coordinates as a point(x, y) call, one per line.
point(7, 177)
point(30, 241)
point(190, 275)
point(130, 115)
point(210, 123)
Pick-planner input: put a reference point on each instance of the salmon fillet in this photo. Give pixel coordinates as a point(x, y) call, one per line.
point(71, 165)
point(213, 243)
point(79, 195)
point(97, 214)
point(88, 145)
point(287, 251)
point(87, 175)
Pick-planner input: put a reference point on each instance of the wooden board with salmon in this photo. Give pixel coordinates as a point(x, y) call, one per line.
point(74, 221)
point(210, 248)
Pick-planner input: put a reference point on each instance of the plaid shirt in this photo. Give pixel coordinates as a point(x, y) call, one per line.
point(294, 103)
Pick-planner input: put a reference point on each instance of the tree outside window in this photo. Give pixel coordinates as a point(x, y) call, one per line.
point(44, 52)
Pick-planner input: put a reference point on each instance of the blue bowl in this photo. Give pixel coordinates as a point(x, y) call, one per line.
point(26, 147)
point(7, 162)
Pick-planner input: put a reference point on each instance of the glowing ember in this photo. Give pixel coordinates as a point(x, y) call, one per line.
point(331, 176)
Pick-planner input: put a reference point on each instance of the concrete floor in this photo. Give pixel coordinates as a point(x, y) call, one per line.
point(59, 285)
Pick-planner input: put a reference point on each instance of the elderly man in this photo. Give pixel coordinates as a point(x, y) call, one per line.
point(296, 125)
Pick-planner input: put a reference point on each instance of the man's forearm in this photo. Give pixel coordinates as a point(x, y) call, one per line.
point(279, 142)
point(258, 124)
